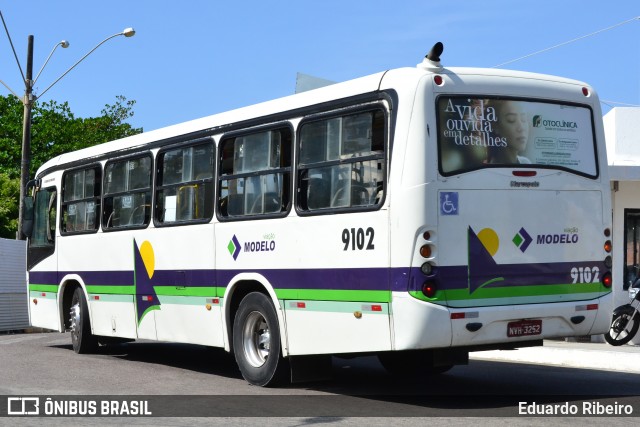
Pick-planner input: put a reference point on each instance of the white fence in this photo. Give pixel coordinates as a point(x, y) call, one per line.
point(13, 285)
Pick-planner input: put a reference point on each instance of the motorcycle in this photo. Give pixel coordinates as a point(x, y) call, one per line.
point(625, 321)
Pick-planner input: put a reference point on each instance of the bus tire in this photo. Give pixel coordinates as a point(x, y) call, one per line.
point(256, 341)
point(410, 364)
point(82, 339)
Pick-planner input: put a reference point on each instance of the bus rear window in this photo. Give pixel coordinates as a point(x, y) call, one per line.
point(483, 132)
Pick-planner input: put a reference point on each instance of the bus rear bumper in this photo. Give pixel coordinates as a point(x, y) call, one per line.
point(421, 325)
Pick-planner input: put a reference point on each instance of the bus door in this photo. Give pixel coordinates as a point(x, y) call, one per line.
point(42, 260)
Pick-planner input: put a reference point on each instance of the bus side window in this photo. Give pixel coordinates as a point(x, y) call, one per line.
point(45, 213)
point(81, 200)
point(341, 162)
point(184, 184)
point(127, 193)
point(255, 174)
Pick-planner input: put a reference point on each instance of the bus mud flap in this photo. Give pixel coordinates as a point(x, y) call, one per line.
point(450, 356)
point(310, 368)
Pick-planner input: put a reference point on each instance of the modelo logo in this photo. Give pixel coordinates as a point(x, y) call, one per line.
point(555, 239)
point(260, 246)
point(235, 247)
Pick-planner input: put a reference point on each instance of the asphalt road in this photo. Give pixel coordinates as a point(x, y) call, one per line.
point(183, 380)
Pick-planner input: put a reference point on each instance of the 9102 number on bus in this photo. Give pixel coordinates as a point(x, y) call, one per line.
point(358, 239)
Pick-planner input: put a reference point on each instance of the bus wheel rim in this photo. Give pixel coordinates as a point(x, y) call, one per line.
point(75, 319)
point(256, 339)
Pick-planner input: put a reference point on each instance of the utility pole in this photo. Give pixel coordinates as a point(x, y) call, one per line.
point(28, 102)
point(26, 134)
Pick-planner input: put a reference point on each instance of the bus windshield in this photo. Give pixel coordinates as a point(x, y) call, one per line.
point(482, 132)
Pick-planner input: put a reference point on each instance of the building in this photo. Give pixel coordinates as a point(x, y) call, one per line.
point(13, 285)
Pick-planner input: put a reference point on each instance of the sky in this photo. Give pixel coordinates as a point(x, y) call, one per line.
point(193, 58)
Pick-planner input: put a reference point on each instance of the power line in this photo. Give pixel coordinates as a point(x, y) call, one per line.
point(609, 103)
point(570, 41)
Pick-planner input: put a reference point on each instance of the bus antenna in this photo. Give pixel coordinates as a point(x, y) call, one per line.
point(435, 52)
point(432, 60)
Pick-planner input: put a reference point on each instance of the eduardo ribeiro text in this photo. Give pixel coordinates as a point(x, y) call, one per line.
point(566, 408)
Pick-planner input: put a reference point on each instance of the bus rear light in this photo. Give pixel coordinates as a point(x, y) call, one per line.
point(608, 262)
point(35, 301)
point(607, 281)
point(438, 80)
point(426, 235)
point(587, 307)
point(608, 246)
point(425, 251)
point(426, 269)
point(465, 315)
point(524, 173)
point(429, 289)
point(607, 232)
point(585, 91)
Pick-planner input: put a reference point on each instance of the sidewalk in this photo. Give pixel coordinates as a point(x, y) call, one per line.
point(586, 355)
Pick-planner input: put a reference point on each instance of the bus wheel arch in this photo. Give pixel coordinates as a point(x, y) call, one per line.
point(68, 286)
point(255, 332)
point(76, 316)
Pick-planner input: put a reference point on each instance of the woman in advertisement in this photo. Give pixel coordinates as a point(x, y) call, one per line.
point(512, 127)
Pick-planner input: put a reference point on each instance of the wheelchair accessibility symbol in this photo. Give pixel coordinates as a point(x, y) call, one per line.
point(449, 203)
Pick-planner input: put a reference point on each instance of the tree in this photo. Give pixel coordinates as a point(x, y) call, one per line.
point(54, 131)
point(9, 195)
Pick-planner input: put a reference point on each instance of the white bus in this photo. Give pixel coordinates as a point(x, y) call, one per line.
point(417, 214)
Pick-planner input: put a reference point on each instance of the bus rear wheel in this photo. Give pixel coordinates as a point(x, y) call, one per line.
point(82, 339)
point(256, 341)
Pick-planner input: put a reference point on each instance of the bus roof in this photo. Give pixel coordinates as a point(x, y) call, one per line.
point(405, 77)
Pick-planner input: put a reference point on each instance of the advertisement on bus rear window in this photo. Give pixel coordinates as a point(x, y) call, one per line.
point(476, 132)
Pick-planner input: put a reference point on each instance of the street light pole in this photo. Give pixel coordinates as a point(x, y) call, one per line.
point(28, 101)
point(26, 134)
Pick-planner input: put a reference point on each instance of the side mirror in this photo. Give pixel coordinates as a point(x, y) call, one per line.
point(27, 216)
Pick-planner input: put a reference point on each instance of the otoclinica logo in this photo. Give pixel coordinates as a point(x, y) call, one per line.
point(538, 121)
point(522, 239)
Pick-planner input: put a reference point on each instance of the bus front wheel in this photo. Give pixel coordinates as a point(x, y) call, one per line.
point(256, 341)
point(82, 339)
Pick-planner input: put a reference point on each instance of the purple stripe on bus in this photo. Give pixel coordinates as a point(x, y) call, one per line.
point(398, 279)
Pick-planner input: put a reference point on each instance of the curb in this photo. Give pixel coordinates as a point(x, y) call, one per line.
point(587, 356)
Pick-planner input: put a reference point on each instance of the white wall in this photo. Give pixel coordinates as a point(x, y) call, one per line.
point(622, 133)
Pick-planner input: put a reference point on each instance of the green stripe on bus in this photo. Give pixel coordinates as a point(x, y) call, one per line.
point(111, 298)
point(39, 294)
point(540, 299)
point(527, 291)
point(122, 290)
point(336, 307)
point(189, 300)
point(189, 291)
point(517, 295)
point(333, 295)
point(43, 288)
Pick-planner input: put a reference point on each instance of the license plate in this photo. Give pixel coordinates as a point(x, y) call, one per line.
point(524, 328)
